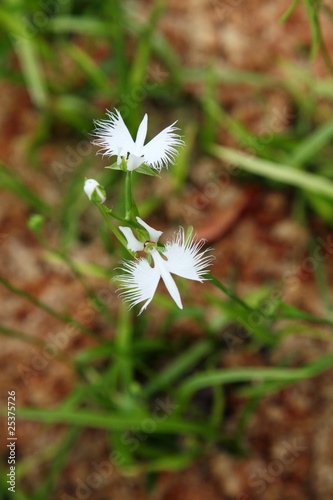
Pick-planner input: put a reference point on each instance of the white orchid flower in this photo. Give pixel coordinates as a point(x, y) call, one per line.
point(114, 138)
point(180, 257)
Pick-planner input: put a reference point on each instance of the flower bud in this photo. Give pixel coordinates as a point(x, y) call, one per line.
point(94, 191)
point(35, 223)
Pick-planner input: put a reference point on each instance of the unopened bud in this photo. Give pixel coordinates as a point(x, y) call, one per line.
point(94, 191)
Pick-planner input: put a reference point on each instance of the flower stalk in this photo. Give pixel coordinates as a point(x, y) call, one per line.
point(105, 212)
point(131, 210)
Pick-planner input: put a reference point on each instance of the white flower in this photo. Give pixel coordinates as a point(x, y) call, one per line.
point(180, 257)
point(94, 191)
point(114, 138)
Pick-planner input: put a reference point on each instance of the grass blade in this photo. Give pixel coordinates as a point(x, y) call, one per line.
point(178, 367)
point(306, 149)
point(66, 318)
point(274, 171)
point(10, 181)
point(250, 374)
point(112, 421)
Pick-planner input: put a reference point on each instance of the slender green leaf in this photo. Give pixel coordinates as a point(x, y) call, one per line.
point(83, 25)
point(144, 46)
point(280, 173)
point(289, 11)
point(66, 318)
point(252, 374)
point(10, 180)
point(178, 367)
point(113, 421)
point(312, 144)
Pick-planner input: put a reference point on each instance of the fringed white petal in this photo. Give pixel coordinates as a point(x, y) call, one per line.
point(139, 282)
point(180, 257)
point(153, 233)
point(161, 150)
point(185, 259)
point(132, 243)
point(169, 282)
point(112, 136)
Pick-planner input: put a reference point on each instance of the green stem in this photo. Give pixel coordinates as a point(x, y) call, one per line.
point(228, 292)
point(289, 11)
point(105, 214)
point(284, 314)
point(122, 219)
point(25, 337)
point(66, 318)
point(94, 298)
point(130, 208)
point(123, 343)
point(128, 195)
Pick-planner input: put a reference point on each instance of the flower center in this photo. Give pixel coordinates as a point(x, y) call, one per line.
point(149, 246)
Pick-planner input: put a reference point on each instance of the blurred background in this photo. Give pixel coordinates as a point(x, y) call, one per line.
point(224, 399)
